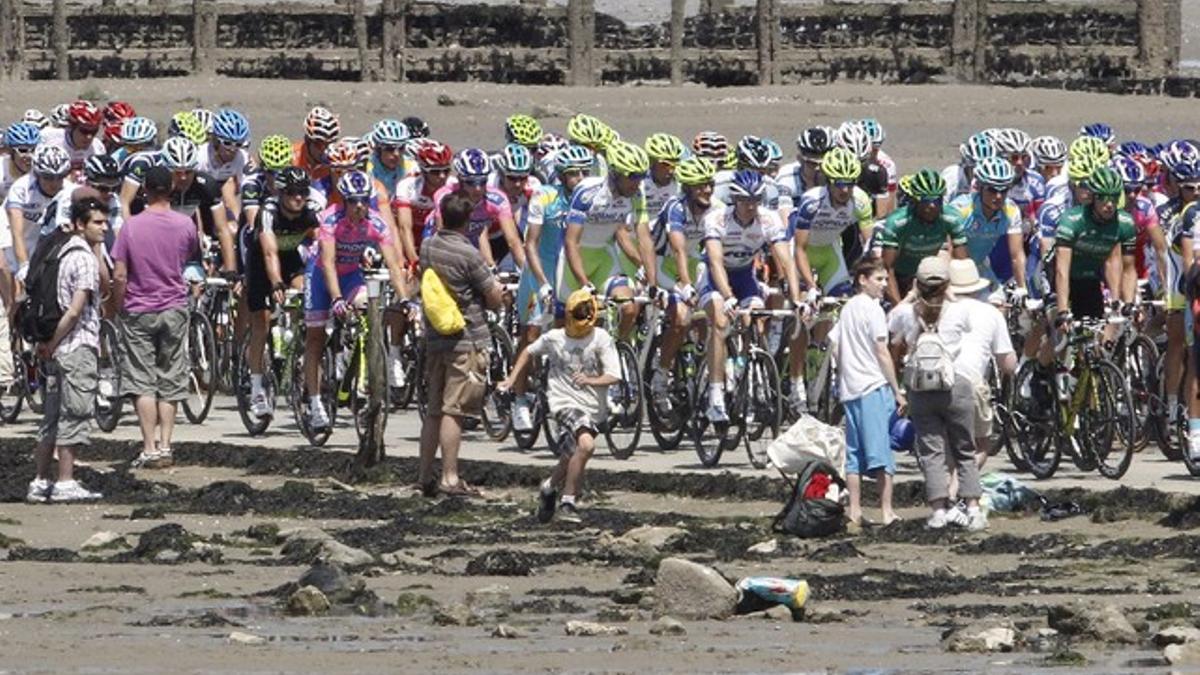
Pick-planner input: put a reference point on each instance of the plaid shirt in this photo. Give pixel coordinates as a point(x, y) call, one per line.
point(79, 272)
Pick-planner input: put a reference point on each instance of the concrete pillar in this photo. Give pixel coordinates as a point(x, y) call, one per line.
point(677, 16)
point(61, 40)
point(204, 37)
point(1159, 34)
point(968, 39)
point(767, 20)
point(366, 71)
point(12, 40)
point(393, 39)
point(581, 41)
point(1174, 34)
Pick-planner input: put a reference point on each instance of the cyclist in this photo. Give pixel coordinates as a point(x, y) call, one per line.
point(1145, 217)
point(492, 215)
point(879, 158)
point(137, 135)
point(665, 152)
point(523, 130)
point(78, 138)
point(20, 139)
point(284, 224)
point(993, 223)
point(102, 174)
point(388, 165)
point(113, 118)
point(187, 125)
point(342, 156)
point(198, 195)
point(608, 210)
point(753, 154)
point(873, 178)
point(513, 175)
point(1028, 189)
point(594, 135)
point(547, 156)
point(1102, 132)
point(206, 118)
point(335, 277)
point(796, 178)
point(321, 128)
point(413, 200)
point(1049, 157)
point(1183, 180)
point(29, 198)
point(1087, 237)
point(224, 156)
point(711, 146)
point(960, 177)
point(917, 231)
point(733, 237)
point(274, 155)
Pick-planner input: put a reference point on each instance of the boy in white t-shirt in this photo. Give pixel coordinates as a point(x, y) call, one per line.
point(868, 387)
point(582, 362)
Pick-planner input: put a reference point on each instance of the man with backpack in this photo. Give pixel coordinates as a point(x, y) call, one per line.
point(454, 280)
point(62, 316)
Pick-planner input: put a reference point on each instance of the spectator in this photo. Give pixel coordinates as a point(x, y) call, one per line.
point(455, 365)
point(71, 363)
point(150, 253)
point(869, 390)
point(582, 363)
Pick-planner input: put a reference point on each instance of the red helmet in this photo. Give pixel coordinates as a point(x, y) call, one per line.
point(434, 155)
point(115, 114)
point(83, 114)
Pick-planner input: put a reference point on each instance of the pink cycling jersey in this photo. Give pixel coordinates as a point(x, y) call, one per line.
point(488, 213)
point(351, 239)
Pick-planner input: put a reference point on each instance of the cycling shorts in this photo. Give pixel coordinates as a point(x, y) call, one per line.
point(316, 295)
point(258, 284)
point(600, 264)
point(829, 265)
point(746, 288)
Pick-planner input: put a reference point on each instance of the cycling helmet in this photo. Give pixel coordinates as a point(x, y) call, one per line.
point(977, 148)
point(776, 152)
point(926, 184)
point(814, 141)
point(874, 130)
point(1011, 142)
point(275, 151)
point(853, 136)
point(1105, 181)
point(59, 115)
point(747, 184)
point(1048, 151)
point(1099, 130)
point(362, 148)
point(522, 130)
point(205, 117)
point(417, 128)
point(22, 135)
point(36, 118)
point(711, 145)
point(610, 136)
point(841, 164)
point(1187, 170)
point(355, 185)
point(905, 184)
point(138, 131)
point(231, 126)
point(1088, 147)
point(515, 160)
point(187, 125)
point(389, 132)
point(574, 157)
point(995, 172)
point(695, 171)
point(551, 144)
point(51, 161)
point(434, 155)
point(342, 153)
point(322, 125)
point(1179, 152)
point(730, 162)
point(180, 154)
point(664, 147)
point(1132, 149)
point(292, 178)
point(587, 130)
point(84, 114)
point(627, 159)
point(1129, 169)
point(115, 114)
point(102, 170)
point(472, 163)
point(1081, 167)
point(753, 153)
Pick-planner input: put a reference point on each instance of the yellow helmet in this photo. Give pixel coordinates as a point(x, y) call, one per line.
point(627, 159)
point(841, 164)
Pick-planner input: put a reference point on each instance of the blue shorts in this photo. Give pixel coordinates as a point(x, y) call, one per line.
point(316, 295)
point(868, 432)
point(741, 281)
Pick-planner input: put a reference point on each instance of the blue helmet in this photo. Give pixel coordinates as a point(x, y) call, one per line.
point(1186, 170)
point(138, 131)
point(1130, 170)
point(747, 184)
point(389, 132)
point(1132, 149)
point(355, 185)
point(995, 172)
point(22, 135)
point(574, 157)
point(231, 126)
point(902, 434)
point(472, 163)
point(1099, 130)
point(515, 160)
point(977, 148)
point(774, 149)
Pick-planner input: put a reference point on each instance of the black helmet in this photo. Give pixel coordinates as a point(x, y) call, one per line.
point(102, 169)
point(416, 126)
point(292, 179)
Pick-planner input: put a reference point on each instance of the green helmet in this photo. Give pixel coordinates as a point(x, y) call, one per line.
point(587, 130)
point(275, 151)
point(189, 126)
point(1105, 181)
point(627, 159)
point(695, 171)
point(926, 184)
point(841, 164)
point(523, 130)
point(664, 147)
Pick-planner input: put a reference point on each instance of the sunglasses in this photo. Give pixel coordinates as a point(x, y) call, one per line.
point(517, 178)
point(743, 198)
point(843, 184)
point(1189, 186)
point(474, 182)
point(995, 190)
point(229, 145)
point(23, 149)
point(357, 201)
point(929, 201)
point(390, 148)
point(440, 171)
point(104, 187)
point(88, 131)
point(296, 192)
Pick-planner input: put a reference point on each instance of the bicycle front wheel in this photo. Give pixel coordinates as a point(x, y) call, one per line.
point(201, 352)
point(764, 407)
point(108, 395)
point(1035, 421)
point(1107, 422)
point(708, 450)
point(497, 415)
point(1141, 370)
point(255, 426)
point(623, 428)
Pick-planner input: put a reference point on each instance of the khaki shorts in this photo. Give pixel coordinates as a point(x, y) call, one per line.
point(154, 360)
point(984, 414)
point(456, 382)
point(71, 381)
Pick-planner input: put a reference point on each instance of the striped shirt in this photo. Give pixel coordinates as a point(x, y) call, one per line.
point(79, 271)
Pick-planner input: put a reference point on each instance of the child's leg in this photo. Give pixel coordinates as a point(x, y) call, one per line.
point(585, 443)
point(884, 479)
point(854, 487)
point(66, 463)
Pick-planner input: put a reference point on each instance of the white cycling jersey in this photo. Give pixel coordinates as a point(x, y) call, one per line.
point(26, 195)
point(62, 139)
point(957, 183)
point(211, 164)
point(740, 243)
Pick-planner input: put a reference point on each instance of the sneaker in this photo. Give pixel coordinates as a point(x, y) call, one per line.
point(798, 398)
point(568, 513)
point(105, 388)
point(72, 491)
point(547, 500)
point(153, 460)
point(716, 412)
point(260, 407)
point(39, 490)
point(317, 418)
point(397, 372)
point(958, 516)
point(977, 521)
point(522, 417)
point(1194, 445)
point(937, 521)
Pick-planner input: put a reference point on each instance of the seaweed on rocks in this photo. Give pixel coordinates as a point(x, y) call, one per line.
point(29, 554)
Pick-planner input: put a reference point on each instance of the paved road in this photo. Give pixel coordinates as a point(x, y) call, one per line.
point(1149, 469)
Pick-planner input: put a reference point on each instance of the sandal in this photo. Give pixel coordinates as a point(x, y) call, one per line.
point(460, 489)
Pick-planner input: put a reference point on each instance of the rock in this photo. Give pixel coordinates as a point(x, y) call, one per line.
point(618, 614)
point(767, 547)
point(692, 591)
point(336, 553)
point(640, 543)
point(240, 638)
point(982, 639)
point(501, 563)
point(303, 533)
point(589, 629)
point(207, 552)
point(406, 562)
point(1176, 635)
point(455, 615)
point(1183, 654)
point(1106, 624)
point(307, 601)
point(494, 597)
point(408, 604)
point(169, 537)
point(780, 613)
point(506, 631)
point(104, 540)
point(267, 533)
point(628, 596)
point(333, 581)
point(166, 557)
point(667, 626)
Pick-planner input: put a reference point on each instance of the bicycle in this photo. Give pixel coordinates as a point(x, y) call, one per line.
point(107, 408)
point(820, 366)
point(285, 341)
point(349, 344)
point(497, 406)
point(539, 408)
point(623, 426)
point(201, 347)
point(670, 428)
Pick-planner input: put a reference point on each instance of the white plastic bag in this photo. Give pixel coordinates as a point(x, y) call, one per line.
point(808, 439)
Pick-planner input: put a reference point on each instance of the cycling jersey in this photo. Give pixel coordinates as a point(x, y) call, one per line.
point(26, 196)
point(520, 205)
point(676, 216)
point(316, 168)
point(485, 217)
point(957, 183)
point(739, 246)
point(350, 239)
point(135, 166)
point(1057, 185)
point(914, 240)
point(255, 192)
point(291, 232)
point(202, 196)
point(885, 161)
point(1028, 193)
point(62, 138)
point(389, 178)
point(1169, 217)
point(987, 235)
point(212, 165)
point(332, 197)
point(598, 209)
point(8, 175)
point(792, 185)
point(1092, 242)
point(825, 223)
point(1145, 219)
point(721, 182)
point(547, 210)
point(412, 193)
point(657, 197)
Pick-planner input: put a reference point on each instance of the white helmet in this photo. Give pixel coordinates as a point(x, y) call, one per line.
point(180, 154)
point(51, 161)
point(853, 136)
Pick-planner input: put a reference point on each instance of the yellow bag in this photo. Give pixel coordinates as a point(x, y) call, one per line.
point(439, 305)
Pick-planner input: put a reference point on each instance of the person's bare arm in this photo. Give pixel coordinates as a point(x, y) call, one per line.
point(70, 317)
point(888, 368)
point(120, 283)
